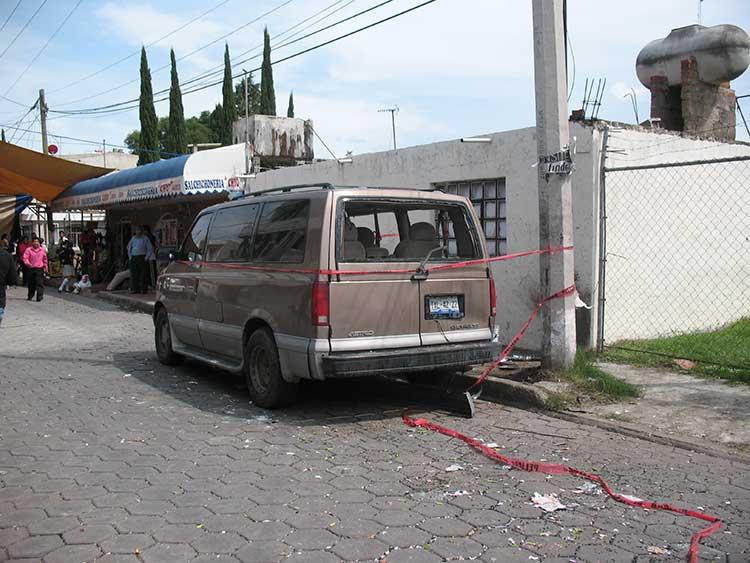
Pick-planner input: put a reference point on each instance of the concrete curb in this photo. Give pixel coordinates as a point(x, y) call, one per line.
point(507, 391)
point(127, 302)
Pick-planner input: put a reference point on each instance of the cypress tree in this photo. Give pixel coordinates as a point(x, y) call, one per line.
point(3, 136)
point(267, 93)
point(290, 109)
point(176, 134)
point(149, 145)
point(230, 110)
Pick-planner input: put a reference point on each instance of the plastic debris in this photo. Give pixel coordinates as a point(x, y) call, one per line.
point(548, 503)
point(588, 488)
point(454, 467)
point(459, 493)
point(633, 499)
point(656, 550)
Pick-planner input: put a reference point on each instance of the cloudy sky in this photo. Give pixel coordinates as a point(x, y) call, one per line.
point(454, 67)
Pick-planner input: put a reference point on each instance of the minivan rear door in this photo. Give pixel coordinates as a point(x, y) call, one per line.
point(455, 295)
point(375, 311)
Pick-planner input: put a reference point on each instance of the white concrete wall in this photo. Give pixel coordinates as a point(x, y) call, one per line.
point(116, 160)
point(678, 253)
point(510, 155)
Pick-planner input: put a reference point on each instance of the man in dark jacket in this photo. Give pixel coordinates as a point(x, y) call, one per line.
point(8, 276)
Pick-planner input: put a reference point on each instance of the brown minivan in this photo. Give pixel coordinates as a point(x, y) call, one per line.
point(322, 281)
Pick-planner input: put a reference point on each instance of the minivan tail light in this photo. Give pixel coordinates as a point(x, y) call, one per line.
point(493, 299)
point(321, 304)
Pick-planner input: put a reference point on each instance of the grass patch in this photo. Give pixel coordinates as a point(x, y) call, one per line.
point(597, 383)
point(718, 354)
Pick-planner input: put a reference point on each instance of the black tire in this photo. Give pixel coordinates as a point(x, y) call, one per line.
point(163, 340)
point(267, 387)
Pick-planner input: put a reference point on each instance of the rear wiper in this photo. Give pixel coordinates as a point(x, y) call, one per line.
point(420, 274)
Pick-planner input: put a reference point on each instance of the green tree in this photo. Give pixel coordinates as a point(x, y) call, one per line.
point(176, 142)
point(216, 123)
point(267, 93)
point(197, 132)
point(149, 137)
point(253, 94)
point(228, 102)
point(290, 109)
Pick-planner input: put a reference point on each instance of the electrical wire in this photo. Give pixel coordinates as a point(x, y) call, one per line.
point(13, 11)
point(190, 54)
point(573, 61)
point(39, 54)
point(138, 52)
point(119, 105)
point(218, 69)
point(87, 141)
point(23, 28)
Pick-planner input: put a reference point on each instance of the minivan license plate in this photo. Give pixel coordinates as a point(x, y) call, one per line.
point(444, 307)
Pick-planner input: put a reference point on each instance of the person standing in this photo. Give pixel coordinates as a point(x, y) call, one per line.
point(8, 276)
point(20, 249)
point(67, 255)
point(139, 247)
point(4, 242)
point(35, 260)
point(151, 258)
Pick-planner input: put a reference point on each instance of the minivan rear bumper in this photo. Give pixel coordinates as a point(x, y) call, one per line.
point(404, 360)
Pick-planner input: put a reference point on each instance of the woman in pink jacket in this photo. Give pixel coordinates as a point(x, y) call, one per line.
point(35, 260)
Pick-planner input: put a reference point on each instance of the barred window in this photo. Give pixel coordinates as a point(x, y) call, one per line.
point(488, 199)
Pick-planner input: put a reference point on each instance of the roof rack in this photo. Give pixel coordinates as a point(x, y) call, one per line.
point(321, 185)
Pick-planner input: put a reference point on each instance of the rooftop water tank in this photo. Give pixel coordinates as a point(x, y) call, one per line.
point(722, 53)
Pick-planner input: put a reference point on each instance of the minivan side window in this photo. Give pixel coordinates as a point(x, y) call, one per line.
point(282, 232)
point(231, 234)
point(192, 248)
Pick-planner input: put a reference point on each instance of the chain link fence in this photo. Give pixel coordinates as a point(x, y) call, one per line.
point(675, 262)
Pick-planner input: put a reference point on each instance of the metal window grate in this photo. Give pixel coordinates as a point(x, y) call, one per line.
point(489, 201)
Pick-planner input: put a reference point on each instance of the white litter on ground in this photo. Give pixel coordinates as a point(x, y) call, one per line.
point(548, 503)
point(454, 467)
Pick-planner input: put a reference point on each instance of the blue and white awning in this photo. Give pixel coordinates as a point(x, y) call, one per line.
point(205, 172)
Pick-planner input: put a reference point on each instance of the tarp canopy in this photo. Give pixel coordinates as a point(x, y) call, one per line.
point(23, 171)
point(10, 206)
point(211, 171)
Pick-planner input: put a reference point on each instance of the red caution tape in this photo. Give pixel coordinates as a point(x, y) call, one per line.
point(322, 272)
point(559, 469)
point(570, 290)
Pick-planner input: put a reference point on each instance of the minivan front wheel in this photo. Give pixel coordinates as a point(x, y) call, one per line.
point(267, 387)
point(163, 338)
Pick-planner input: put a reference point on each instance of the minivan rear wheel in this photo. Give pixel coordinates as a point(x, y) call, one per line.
point(163, 338)
point(267, 387)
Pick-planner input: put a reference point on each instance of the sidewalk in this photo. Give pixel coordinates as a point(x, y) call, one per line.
point(706, 412)
point(143, 302)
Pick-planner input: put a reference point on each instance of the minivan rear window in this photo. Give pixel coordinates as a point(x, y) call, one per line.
point(281, 232)
point(374, 230)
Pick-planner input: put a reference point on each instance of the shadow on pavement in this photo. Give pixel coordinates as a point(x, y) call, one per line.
point(329, 402)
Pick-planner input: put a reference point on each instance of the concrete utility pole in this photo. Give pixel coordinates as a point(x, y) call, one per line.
point(45, 149)
point(43, 121)
point(247, 127)
point(555, 205)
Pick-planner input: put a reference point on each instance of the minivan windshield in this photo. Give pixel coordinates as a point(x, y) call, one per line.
point(388, 230)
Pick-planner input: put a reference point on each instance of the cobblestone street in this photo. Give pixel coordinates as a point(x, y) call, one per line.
point(107, 455)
